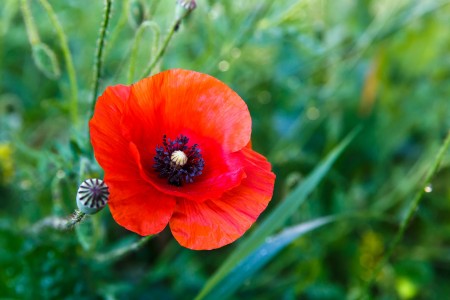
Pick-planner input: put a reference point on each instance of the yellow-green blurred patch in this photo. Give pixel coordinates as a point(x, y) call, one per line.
point(6, 163)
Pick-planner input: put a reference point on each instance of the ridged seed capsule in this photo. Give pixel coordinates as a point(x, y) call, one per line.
point(92, 196)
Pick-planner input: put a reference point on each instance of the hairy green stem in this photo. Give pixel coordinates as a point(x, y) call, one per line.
point(58, 223)
point(115, 32)
point(409, 215)
point(77, 217)
point(99, 52)
point(68, 60)
point(121, 252)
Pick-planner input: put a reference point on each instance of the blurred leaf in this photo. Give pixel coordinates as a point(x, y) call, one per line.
point(261, 256)
point(45, 59)
point(86, 234)
point(136, 13)
point(7, 13)
point(411, 277)
point(278, 217)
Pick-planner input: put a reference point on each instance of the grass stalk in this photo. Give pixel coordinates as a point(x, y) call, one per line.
point(67, 58)
point(409, 215)
point(99, 53)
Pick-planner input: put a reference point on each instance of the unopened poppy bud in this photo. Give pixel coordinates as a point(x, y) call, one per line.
point(92, 196)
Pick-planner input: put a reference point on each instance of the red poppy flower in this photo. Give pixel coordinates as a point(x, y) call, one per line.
point(175, 148)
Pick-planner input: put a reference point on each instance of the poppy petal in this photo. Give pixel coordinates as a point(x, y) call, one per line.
point(178, 100)
point(215, 223)
point(138, 207)
point(200, 107)
point(229, 184)
point(134, 204)
point(110, 148)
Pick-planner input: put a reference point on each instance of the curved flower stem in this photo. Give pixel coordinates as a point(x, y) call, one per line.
point(162, 50)
point(409, 215)
point(30, 25)
point(58, 223)
point(121, 252)
point(137, 39)
point(99, 52)
point(68, 60)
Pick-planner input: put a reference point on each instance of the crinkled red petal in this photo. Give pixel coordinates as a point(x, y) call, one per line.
point(180, 100)
point(138, 207)
point(215, 223)
point(200, 107)
point(110, 148)
point(133, 202)
point(129, 123)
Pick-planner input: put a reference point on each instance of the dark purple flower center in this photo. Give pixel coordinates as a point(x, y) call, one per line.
point(178, 162)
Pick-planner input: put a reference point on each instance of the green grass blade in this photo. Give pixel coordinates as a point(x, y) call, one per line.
point(277, 218)
point(64, 44)
point(262, 255)
point(409, 215)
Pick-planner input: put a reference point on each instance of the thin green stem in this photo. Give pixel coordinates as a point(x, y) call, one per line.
point(118, 28)
point(137, 39)
point(409, 215)
point(84, 163)
point(121, 252)
point(33, 35)
point(99, 52)
point(165, 44)
point(58, 223)
point(77, 217)
point(68, 60)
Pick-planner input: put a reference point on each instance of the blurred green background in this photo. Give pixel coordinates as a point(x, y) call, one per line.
point(310, 72)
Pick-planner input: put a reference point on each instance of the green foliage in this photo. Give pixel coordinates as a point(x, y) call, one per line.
point(276, 219)
point(255, 260)
point(46, 61)
point(310, 72)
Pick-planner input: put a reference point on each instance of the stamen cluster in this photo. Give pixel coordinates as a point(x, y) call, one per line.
point(176, 173)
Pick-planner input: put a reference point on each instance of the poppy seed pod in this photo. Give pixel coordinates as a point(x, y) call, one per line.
point(92, 196)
